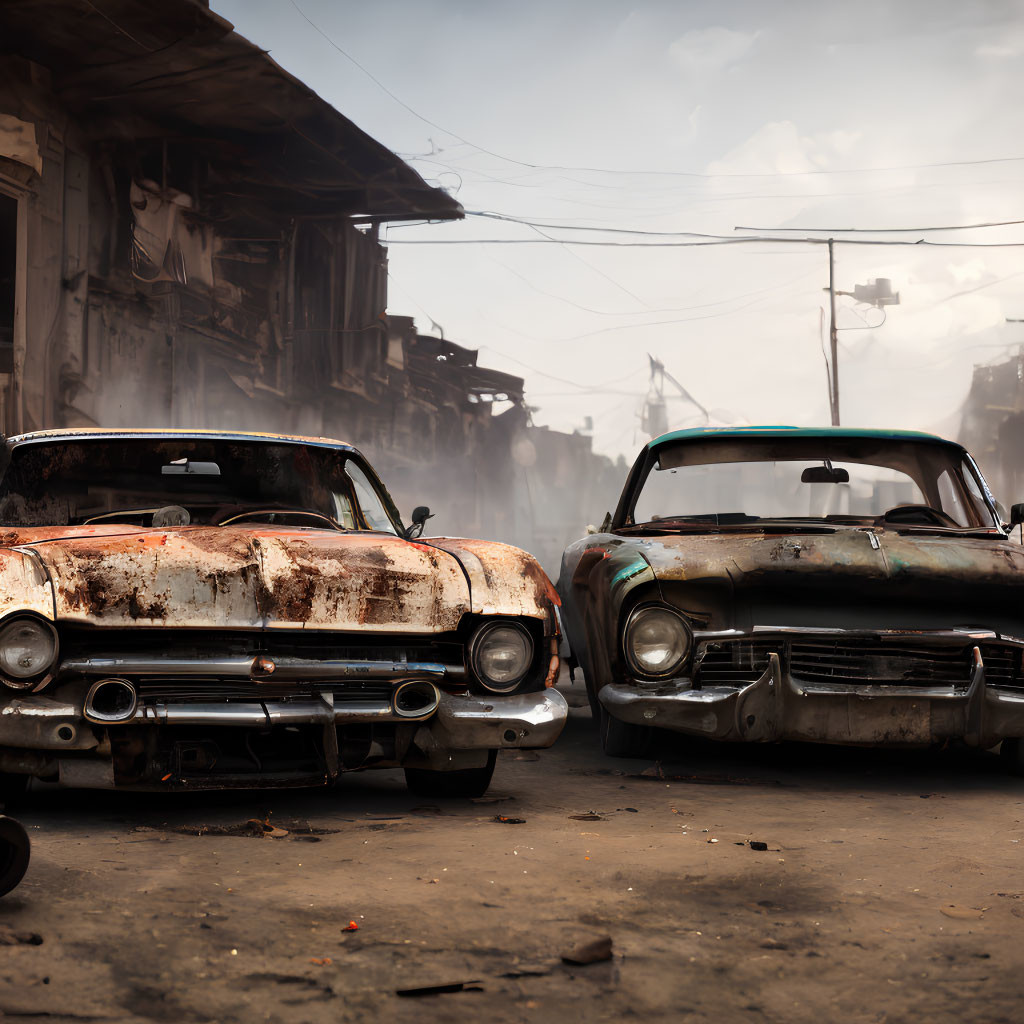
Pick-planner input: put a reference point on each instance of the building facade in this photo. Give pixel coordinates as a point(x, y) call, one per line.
point(189, 237)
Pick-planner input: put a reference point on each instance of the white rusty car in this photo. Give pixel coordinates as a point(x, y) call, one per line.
point(190, 609)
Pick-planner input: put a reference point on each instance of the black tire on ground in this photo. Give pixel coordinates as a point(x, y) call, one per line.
point(467, 782)
point(14, 853)
point(624, 739)
point(1011, 753)
point(12, 788)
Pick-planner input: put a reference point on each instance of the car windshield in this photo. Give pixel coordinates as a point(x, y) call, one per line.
point(854, 481)
point(181, 481)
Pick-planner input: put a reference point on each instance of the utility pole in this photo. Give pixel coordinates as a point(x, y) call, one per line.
point(833, 336)
point(877, 293)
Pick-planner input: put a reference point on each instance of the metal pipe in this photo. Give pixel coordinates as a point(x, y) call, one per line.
point(109, 701)
point(265, 714)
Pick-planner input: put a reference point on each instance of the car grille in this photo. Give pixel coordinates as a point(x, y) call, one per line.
point(204, 691)
point(857, 662)
point(195, 646)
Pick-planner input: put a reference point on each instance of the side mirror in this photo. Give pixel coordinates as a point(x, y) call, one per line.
point(1017, 514)
point(420, 515)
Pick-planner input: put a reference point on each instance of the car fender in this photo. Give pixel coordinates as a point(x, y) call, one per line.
point(504, 580)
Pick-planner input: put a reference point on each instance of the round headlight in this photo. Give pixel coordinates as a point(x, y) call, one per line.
point(656, 641)
point(500, 655)
point(27, 650)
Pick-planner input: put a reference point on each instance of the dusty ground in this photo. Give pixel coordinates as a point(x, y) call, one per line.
point(840, 919)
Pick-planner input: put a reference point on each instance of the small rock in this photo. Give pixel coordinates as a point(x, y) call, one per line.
point(590, 952)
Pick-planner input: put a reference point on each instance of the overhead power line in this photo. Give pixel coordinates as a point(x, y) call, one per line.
point(640, 171)
point(710, 240)
point(888, 231)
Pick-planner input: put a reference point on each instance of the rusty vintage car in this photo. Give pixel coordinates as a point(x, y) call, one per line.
point(188, 609)
point(778, 583)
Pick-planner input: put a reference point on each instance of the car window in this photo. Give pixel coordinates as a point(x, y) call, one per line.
point(974, 494)
point(770, 490)
point(370, 502)
point(855, 479)
point(952, 502)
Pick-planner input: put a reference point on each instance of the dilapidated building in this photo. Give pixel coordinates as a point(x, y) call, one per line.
point(188, 234)
point(993, 425)
point(189, 237)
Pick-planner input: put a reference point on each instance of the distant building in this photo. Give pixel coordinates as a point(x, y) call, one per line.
point(993, 425)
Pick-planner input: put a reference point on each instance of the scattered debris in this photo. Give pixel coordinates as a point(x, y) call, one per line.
point(632, 810)
point(508, 821)
point(756, 844)
point(591, 952)
point(10, 937)
point(437, 990)
point(321, 961)
point(589, 816)
point(255, 828)
point(963, 913)
point(351, 927)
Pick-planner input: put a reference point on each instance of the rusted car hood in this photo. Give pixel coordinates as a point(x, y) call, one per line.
point(202, 577)
point(847, 578)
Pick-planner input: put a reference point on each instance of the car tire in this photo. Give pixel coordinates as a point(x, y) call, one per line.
point(1011, 753)
point(624, 739)
point(15, 849)
point(465, 782)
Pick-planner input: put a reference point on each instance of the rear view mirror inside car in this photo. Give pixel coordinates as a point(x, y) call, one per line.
point(824, 475)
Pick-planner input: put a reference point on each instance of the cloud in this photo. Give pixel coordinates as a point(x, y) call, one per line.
point(1006, 47)
point(968, 272)
point(779, 148)
point(703, 51)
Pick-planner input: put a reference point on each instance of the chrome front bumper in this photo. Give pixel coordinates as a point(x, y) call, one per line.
point(777, 706)
point(461, 721)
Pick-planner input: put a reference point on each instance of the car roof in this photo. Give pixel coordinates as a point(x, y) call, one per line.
point(168, 433)
point(780, 431)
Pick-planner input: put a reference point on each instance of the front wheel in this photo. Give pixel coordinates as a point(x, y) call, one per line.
point(14, 853)
point(624, 739)
point(468, 782)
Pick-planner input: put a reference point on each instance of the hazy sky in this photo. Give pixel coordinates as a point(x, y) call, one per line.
point(699, 117)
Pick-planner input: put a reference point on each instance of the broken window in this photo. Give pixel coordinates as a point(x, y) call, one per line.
point(8, 274)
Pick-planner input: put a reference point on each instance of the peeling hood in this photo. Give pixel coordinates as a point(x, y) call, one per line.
point(850, 578)
point(210, 577)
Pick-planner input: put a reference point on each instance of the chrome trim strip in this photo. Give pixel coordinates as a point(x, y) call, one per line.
point(880, 634)
point(244, 666)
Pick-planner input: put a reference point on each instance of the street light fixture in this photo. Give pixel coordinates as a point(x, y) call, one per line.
point(877, 293)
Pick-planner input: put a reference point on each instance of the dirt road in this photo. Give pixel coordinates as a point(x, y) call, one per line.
point(845, 916)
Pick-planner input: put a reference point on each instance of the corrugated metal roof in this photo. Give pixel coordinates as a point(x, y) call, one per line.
point(176, 69)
